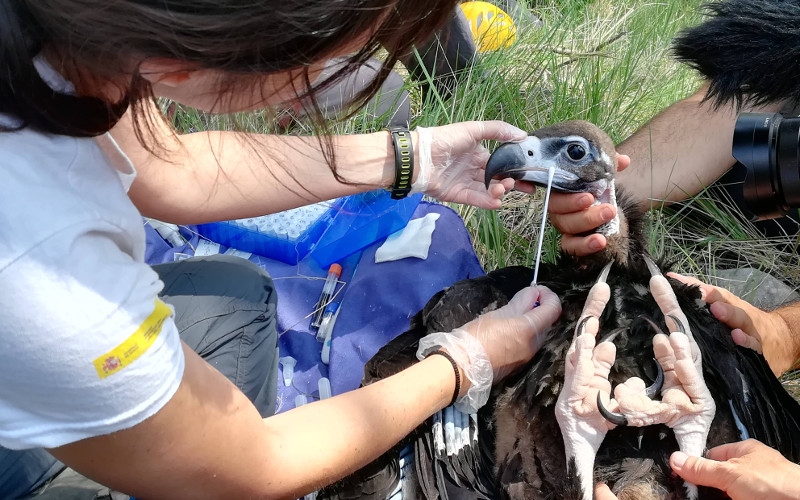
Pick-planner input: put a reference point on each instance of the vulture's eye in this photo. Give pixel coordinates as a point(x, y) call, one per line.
point(530, 152)
point(576, 151)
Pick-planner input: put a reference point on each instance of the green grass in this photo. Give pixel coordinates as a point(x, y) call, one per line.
point(604, 61)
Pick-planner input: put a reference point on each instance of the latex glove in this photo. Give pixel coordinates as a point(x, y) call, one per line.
point(572, 214)
point(512, 334)
point(765, 332)
point(744, 470)
point(452, 161)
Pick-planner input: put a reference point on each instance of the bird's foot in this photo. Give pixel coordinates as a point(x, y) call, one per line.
point(684, 388)
point(596, 301)
point(686, 404)
point(633, 388)
point(583, 428)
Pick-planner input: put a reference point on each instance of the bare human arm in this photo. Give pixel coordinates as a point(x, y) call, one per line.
point(211, 176)
point(681, 151)
point(209, 441)
point(677, 154)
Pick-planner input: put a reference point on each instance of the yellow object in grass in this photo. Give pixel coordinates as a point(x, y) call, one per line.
point(492, 28)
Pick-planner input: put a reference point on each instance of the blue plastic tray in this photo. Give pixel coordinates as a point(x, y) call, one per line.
point(352, 223)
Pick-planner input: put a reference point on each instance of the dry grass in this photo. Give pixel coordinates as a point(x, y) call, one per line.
point(605, 61)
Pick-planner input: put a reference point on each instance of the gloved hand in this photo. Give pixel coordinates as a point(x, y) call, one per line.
point(452, 160)
point(512, 334)
point(493, 345)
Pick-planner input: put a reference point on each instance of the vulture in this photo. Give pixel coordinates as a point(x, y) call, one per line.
point(544, 435)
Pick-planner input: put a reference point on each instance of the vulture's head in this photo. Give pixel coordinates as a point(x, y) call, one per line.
point(584, 160)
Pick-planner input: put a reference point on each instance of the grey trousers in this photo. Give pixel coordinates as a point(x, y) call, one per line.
point(225, 310)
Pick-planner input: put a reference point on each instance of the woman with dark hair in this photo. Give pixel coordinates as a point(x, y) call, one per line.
point(160, 382)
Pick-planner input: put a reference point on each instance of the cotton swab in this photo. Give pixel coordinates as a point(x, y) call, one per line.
point(550, 173)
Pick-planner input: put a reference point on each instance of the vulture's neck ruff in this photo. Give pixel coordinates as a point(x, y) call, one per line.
point(584, 160)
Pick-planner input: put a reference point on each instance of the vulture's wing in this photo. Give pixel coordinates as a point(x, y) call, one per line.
point(744, 383)
point(768, 412)
point(465, 473)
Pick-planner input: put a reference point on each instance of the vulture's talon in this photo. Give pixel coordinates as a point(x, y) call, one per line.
point(651, 266)
point(582, 325)
point(678, 323)
point(615, 418)
point(654, 389)
point(667, 301)
point(596, 301)
point(603, 277)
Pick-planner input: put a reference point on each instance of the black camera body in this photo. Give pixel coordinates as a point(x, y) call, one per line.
point(768, 145)
point(748, 50)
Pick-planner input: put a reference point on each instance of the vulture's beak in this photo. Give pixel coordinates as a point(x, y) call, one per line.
point(529, 161)
point(508, 160)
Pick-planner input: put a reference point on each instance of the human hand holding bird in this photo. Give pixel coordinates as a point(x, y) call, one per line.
point(744, 470)
point(762, 331)
point(575, 213)
point(512, 334)
point(451, 162)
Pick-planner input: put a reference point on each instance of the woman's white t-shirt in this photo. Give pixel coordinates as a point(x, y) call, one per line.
point(86, 346)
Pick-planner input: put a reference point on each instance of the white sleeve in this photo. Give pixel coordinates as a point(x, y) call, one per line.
point(86, 347)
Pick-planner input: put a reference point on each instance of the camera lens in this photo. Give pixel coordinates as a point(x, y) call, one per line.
point(768, 145)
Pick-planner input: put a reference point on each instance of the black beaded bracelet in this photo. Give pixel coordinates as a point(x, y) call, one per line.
point(452, 361)
point(403, 163)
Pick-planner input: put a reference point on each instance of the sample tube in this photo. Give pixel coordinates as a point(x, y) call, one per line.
point(288, 363)
point(334, 272)
point(324, 386)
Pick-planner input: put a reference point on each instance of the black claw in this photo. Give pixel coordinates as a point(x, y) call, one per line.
point(581, 326)
point(655, 388)
point(614, 418)
point(678, 323)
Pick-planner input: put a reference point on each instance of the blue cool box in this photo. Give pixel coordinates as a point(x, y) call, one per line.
point(350, 224)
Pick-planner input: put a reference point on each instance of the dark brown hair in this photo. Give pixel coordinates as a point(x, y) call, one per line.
point(104, 39)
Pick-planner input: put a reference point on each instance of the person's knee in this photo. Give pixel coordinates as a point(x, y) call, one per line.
point(220, 276)
point(24, 471)
point(253, 283)
point(219, 300)
point(226, 311)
